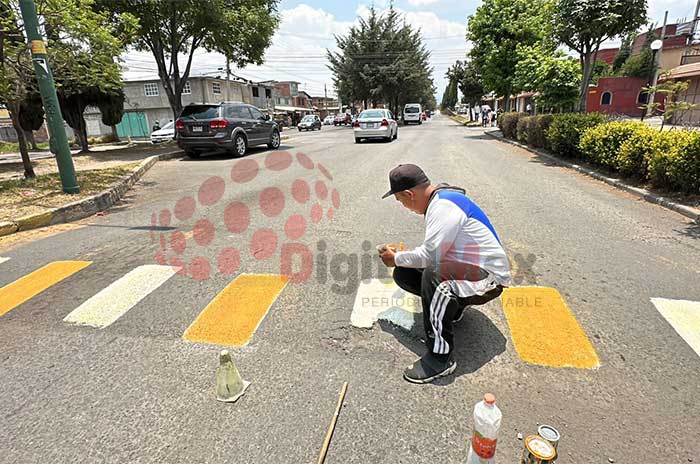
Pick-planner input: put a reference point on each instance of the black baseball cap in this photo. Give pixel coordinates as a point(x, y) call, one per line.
point(405, 177)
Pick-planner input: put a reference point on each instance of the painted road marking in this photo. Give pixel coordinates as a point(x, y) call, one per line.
point(3, 259)
point(235, 313)
point(684, 317)
point(25, 288)
point(545, 331)
point(114, 301)
point(383, 299)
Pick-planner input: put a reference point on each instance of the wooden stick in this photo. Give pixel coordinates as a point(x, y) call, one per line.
point(327, 442)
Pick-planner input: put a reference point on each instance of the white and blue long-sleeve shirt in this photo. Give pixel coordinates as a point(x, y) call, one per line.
point(458, 232)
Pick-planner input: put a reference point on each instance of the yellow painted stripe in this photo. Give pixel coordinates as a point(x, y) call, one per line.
point(21, 290)
point(545, 331)
point(234, 315)
point(684, 317)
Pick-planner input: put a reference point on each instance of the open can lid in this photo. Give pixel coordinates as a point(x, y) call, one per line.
point(540, 448)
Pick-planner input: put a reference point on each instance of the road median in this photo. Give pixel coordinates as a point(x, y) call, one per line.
point(42, 211)
point(651, 197)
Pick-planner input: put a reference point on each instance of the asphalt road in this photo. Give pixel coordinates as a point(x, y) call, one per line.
point(137, 392)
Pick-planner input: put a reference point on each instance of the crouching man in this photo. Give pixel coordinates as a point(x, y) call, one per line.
point(461, 263)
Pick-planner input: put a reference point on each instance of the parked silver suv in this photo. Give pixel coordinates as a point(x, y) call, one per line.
point(227, 126)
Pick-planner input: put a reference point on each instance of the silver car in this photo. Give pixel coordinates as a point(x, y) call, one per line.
point(375, 124)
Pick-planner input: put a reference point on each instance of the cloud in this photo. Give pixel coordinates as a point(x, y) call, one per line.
point(298, 50)
point(422, 2)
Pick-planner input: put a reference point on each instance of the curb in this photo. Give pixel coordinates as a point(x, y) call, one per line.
point(87, 206)
point(686, 211)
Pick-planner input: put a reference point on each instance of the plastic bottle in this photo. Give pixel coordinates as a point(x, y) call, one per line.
point(487, 422)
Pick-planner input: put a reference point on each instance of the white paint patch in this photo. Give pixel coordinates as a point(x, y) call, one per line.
point(3, 259)
point(684, 317)
point(383, 299)
point(113, 302)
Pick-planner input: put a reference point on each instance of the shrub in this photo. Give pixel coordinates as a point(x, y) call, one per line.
point(565, 132)
point(509, 124)
point(678, 166)
point(523, 127)
point(601, 144)
point(537, 130)
point(644, 144)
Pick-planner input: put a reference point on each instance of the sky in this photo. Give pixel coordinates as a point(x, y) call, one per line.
point(307, 28)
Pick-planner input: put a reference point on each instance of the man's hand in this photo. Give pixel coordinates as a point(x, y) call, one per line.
point(388, 256)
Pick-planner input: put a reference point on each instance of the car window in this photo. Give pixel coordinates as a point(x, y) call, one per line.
point(308, 119)
point(391, 115)
point(168, 125)
point(257, 114)
point(372, 114)
point(237, 112)
point(199, 112)
point(411, 109)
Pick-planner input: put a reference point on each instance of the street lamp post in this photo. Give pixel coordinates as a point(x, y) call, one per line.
point(54, 119)
point(655, 48)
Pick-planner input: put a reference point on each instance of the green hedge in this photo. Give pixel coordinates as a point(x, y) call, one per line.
point(522, 128)
point(565, 132)
point(601, 144)
point(508, 123)
point(537, 130)
point(678, 168)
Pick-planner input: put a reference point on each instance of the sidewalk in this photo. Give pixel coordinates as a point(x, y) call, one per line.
point(99, 157)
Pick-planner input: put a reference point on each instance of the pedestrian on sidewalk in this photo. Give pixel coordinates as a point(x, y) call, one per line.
point(156, 126)
point(460, 263)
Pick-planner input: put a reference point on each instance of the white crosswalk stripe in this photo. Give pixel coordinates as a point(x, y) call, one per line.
point(684, 317)
point(118, 298)
point(3, 259)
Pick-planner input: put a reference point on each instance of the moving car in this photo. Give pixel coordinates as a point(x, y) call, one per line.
point(164, 134)
point(328, 120)
point(228, 126)
point(309, 122)
point(376, 124)
point(342, 119)
point(412, 113)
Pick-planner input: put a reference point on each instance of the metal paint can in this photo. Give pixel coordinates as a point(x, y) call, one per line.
point(538, 451)
point(550, 434)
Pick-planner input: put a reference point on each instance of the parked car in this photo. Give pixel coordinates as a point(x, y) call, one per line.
point(328, 120)
point(232, 127)
point(412, 113)
point(377, 123)
point(309, 122)
point(342, 119)
point(164, 134)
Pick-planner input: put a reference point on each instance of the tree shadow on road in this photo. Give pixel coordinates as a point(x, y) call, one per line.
point(691, 230)
point(477, 341)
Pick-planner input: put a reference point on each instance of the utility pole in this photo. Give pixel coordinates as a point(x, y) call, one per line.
point(228, 79)
point(657, 61)
point(54, 119)
point(325, 101)
point(695, 22)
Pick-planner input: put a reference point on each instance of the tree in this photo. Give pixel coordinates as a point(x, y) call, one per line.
point(15, 71)
point(31, 116)
point(551, 74)
point(674, 106)
point(449, 98)
point(624, 53)
point(496, 29)
point(600, 69)
point(241, 30)
point(583, 25)
point(111, 107)
point(642, 64)
point(382, 60)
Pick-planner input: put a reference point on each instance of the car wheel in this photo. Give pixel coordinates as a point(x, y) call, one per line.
point(240, 146)
point(191, 154)
point(274, 140)
point(420, 122)
point(396, 134)
point(357, 140)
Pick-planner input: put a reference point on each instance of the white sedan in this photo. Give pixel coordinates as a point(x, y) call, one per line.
point(164, 134)
point(375, 124)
